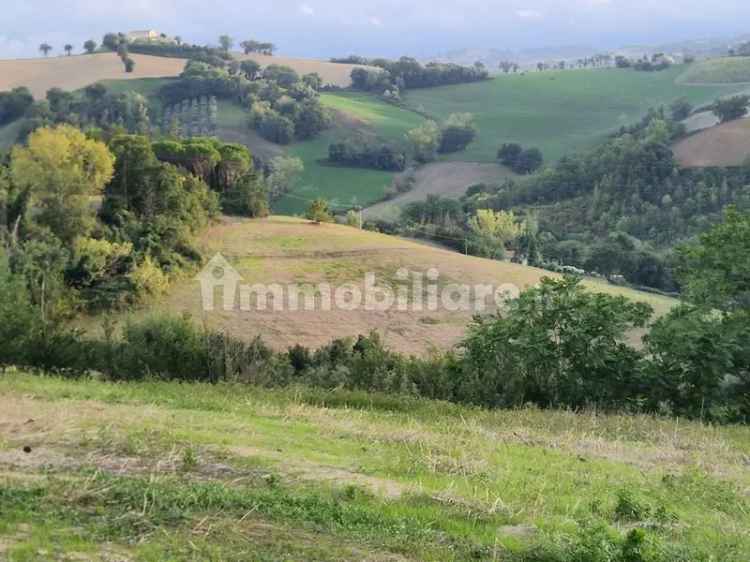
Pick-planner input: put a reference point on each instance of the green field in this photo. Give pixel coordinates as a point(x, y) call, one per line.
point(727, 70)
point(182, 472)
point(559, 112)
point(340, 185)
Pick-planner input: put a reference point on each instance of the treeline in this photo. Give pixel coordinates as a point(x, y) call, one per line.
point(367, 154)
point(557, 346)
point(95, 108)
point(407, 73)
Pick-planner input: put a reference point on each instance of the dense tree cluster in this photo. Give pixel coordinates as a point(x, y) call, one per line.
point(520, 160)
point(155, 196)
point(367, 154)
point(14, 104)
point(283, 106)
point(729, 109)
point(408, 73)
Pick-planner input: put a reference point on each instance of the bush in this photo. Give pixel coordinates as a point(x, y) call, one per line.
point(557, 345)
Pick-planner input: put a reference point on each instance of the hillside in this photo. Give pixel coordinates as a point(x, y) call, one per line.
point(559, 112)
point(723, 145)
point(168, 471)
point(445, 179)
point(286, 250)
point(73, 73)
point(723, 70)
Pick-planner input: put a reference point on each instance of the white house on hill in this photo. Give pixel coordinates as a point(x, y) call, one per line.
point(149, 35)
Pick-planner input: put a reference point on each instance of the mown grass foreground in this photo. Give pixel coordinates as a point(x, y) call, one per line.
point(91, 470)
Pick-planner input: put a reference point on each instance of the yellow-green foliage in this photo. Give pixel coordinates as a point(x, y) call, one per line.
point(149, 279)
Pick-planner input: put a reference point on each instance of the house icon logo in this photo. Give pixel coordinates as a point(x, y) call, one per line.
point(218, 273)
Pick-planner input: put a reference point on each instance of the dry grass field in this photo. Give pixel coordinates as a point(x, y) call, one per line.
point(331, 73)
point(723, 145)
point(287, 250)
point(72, 73)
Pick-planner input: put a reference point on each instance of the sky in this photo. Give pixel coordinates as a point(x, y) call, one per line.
point(421, 28)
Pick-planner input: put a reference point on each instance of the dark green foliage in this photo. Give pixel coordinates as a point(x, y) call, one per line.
point(556, 345)
point(456, 138)
point(281, 75)
point(519, 160)
point(715, 271)
point(408, 73)
point(356, 152)
point(729, 109)
point(14, 104)
point(248, 197)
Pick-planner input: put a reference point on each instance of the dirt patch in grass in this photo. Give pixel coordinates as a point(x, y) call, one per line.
point(73, 73)
point(339, 477)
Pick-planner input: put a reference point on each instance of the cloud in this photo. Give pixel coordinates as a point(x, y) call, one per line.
point(306, 9)
point(529, 14)
point(376, 21)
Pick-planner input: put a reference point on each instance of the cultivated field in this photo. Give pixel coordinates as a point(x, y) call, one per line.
point(446, 179)
point(331, 73)
point(182, 472)
point(723, 145)
point(559, 112)
point(287, 250)
point(73, 73)
point(727, 70)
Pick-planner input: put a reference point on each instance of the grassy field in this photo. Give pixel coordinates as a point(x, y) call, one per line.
point(559, 112)
point(727, 70)
point(73, 73)
point(285, 250)
point(341, 185)
point(161, 471)
point(723, 145)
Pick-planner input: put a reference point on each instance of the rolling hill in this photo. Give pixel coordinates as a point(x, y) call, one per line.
point(333, 74)
point(560, 112)
point(287, 250)
point(73, 73)
point(723, 145)
point(723, 70)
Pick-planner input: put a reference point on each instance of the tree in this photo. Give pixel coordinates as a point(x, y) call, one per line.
point(90, 46)
point(68, 49)
point(313, 80)
point(425, 141)
point(715, 271)
point(681, 109)
point(284, 76)
point(318, 212)
point(284, 172)
point(529, 161)
point(45, 48)
point(15, 104)
point(493, 231)
point(111, 41)
point(556, 345)
point(129, 64)
point(250, 69)
point(62, 169)
point(729, 109)
point(457, 133)
point(226, 42)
